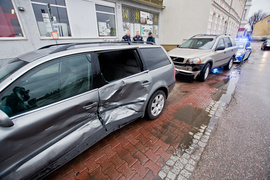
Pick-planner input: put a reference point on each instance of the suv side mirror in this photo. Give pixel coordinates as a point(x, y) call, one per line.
point(220, 48)
point(4, 120)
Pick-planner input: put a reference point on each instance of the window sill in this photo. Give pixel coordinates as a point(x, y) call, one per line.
point(63, 38)
point(13, 38)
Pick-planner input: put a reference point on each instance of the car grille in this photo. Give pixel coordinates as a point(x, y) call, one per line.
point(178, 59)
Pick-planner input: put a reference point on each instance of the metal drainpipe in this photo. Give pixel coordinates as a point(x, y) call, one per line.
point(51, 18)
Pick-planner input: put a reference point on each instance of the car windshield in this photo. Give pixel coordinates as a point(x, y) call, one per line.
point(268, 41)
point(198, 43)
point(10, 67)
point(240, 45)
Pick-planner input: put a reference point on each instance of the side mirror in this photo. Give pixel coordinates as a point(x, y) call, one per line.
point(220, 48)
point(4, 120)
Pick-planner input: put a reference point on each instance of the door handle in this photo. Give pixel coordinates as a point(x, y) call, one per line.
point(90, 106)
point(146, 83)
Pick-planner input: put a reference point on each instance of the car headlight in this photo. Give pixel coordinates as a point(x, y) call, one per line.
point(238, 54)
point(193, 61)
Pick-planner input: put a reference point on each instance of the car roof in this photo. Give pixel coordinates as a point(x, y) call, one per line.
point(67, 47)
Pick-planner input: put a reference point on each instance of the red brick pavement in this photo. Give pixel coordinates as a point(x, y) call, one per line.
point(140, 149)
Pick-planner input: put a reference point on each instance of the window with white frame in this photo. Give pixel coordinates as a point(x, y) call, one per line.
point(106, 20)
point(9, 23)
point(51, 15)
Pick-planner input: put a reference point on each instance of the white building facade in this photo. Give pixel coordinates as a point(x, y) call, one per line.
point(26, 25)
point(184, 19)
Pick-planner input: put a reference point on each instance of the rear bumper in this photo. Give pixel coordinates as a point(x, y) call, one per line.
point(171, 86)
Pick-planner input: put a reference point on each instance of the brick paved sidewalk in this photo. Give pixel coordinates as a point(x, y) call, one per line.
point(141, 149)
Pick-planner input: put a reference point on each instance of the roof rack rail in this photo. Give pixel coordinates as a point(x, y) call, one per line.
point(207, 35)
point(65, 46)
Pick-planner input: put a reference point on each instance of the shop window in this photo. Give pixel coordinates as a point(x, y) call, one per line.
point(9, 23)
point(51, 15)
point(106, 20)
point(135, 19)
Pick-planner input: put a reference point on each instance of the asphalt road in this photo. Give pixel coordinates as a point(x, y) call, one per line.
point(239, 147)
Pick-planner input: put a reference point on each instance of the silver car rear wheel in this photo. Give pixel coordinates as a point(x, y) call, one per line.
point(156, 104)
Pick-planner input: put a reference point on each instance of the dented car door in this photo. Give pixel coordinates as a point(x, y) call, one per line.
point(127, 86)
point(123, 100)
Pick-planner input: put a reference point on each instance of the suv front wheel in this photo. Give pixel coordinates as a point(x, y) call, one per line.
point(204, 73)
point(156, 104)
point(230, 64)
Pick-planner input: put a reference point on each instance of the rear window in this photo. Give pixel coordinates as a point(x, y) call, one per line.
point(154, 58)
point(228, 42)
point(233, 42)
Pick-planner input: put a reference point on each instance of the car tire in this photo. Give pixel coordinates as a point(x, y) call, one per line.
point(204, 73)
point(156, 105)
point(230, 64)
point(262, 48)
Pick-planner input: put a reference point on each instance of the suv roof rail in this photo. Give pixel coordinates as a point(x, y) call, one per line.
point(207, 35)
point(65, 46)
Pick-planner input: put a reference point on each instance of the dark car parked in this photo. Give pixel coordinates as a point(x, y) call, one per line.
point(265, 45)
point(58, 101)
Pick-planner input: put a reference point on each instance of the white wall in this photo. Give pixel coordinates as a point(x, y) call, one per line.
point(82, 21)
point(182, 19)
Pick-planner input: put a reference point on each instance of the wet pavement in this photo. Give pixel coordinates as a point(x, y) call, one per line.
point(168, 147)
point(239, 148)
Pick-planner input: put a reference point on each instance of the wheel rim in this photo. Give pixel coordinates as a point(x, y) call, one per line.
point(157, 105)
point(206, 72)
point(230, 64)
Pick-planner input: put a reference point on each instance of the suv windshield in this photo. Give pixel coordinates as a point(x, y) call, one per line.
point(199, 43)
point(10, 67)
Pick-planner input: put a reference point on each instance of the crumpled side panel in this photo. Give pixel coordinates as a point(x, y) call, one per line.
point(123, 99)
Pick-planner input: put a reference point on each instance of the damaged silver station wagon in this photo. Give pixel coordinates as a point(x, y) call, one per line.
point(59, 100)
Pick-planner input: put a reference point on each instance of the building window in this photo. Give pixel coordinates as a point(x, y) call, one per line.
point(9, 23)
point(268, 21)
point(135, 19)
point(105, 20)
point(213, 24)
point(51, 15)
point(244, 14)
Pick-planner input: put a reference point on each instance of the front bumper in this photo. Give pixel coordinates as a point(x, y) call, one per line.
point(238, 58)
point(192, 71)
